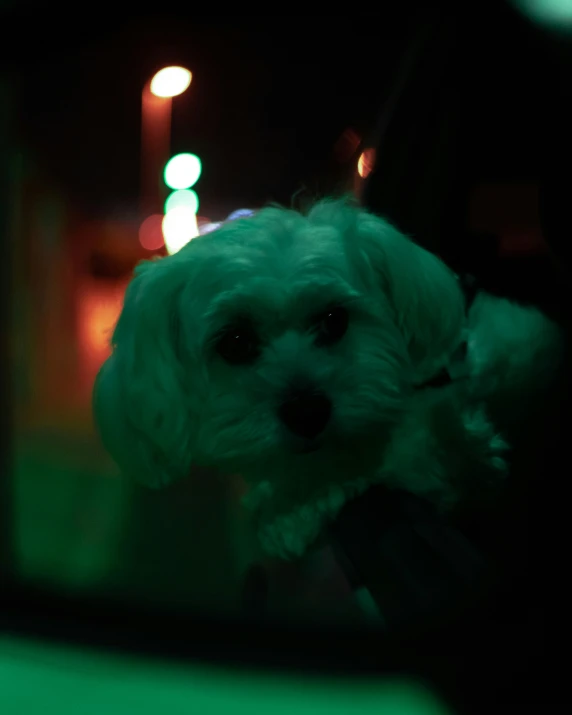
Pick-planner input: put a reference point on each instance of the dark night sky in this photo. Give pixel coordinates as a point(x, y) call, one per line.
point(267, 102)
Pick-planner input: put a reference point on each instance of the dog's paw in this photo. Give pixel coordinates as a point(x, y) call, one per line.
point(282, 532)
point(289, 533)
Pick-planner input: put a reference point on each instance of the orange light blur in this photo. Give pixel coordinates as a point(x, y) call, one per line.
point(366, 162)
point(151, 233)
point(155, 149)
point(98, 309)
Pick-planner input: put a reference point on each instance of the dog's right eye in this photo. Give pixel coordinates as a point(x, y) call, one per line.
point(238, 346)
point(332, 326)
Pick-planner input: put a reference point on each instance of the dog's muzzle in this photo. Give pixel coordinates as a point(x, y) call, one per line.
point(306, 414)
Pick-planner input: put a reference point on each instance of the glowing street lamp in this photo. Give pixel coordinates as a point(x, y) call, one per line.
point(156, 107)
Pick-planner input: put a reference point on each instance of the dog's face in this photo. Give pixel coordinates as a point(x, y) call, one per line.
point(294, 360)
point(282, 347)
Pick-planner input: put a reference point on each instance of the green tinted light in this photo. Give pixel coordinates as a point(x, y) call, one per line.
point(182, 171)
point(556, 14)
point(184, 197)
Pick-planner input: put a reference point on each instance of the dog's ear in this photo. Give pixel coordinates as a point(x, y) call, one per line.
point(426, 296)
point(138, 399)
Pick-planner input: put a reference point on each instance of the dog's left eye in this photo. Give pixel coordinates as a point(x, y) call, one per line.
point(238, 346)
point(332, 326)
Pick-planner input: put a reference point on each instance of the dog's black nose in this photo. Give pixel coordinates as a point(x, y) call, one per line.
point(306, 413)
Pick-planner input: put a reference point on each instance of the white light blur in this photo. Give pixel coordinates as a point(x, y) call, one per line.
point(170, 82)
point(179, 227)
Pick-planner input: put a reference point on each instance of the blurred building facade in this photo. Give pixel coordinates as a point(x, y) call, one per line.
point(69, 276)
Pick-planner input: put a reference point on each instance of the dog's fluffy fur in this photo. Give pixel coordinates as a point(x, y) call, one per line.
point(165, 399)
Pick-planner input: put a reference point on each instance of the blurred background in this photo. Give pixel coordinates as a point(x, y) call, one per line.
point(272, 111)
point(276, 109)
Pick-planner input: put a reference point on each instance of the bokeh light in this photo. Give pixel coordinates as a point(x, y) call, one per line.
point(182, 171)
point(151, 233)
point(240, 213)
point(179, 227)
point(170, 81)
point(209, 227)
point(183, 197)
point(98, 309)
point(366, 162)
point(555, 14)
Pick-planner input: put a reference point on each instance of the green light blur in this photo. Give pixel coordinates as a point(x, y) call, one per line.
point(38, 678)
point(182, 171)
point(183, 197)
point(556, 14)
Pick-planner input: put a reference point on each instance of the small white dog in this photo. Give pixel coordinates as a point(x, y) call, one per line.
point(300, 352)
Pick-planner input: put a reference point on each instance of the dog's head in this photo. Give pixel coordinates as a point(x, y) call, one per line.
point(280, 347)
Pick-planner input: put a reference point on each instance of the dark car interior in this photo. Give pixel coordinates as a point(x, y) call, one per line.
point(500, 138)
